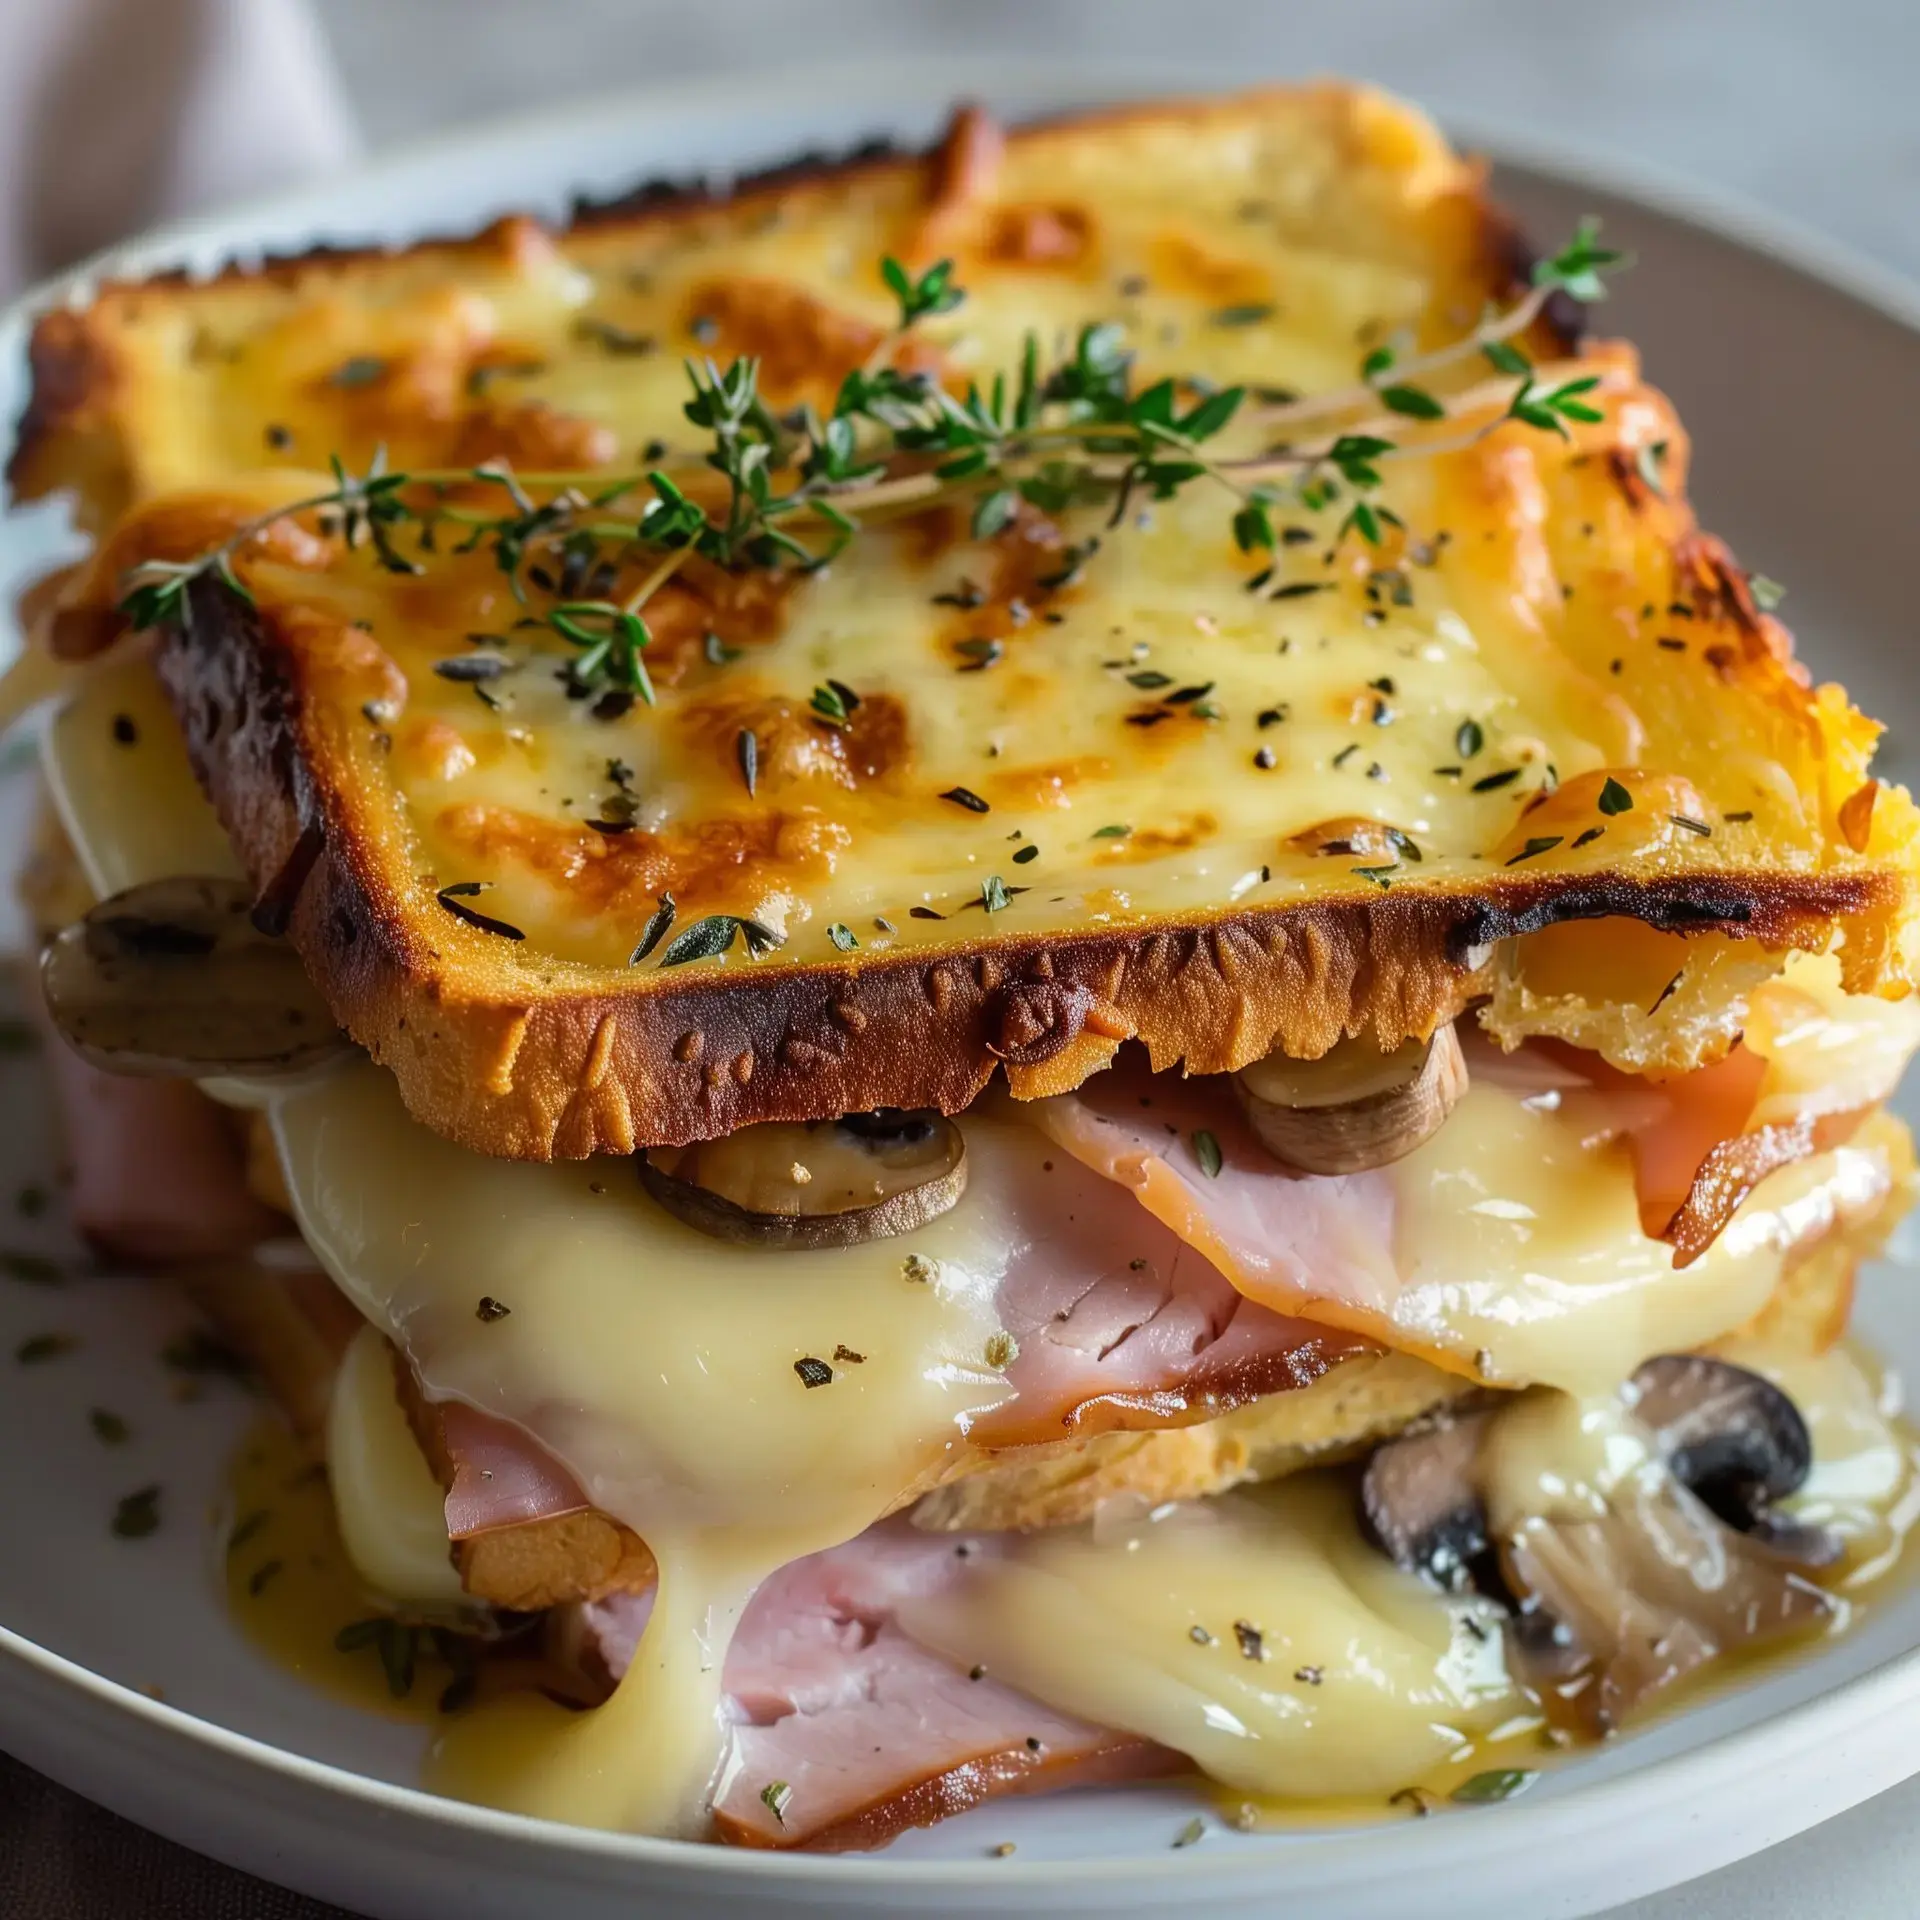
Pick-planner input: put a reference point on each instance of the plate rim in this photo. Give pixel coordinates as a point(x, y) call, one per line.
point(1890, 1687)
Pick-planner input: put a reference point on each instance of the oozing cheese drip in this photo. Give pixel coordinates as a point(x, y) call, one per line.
point(1259, 1634)
point(659, 1364)
point(388, 1502)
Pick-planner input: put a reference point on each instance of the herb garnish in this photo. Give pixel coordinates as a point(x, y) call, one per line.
point(1614, 798)
point(1501, 1783)
point(1023, 854)
point(715, 934)
point(1489, 782)
point(843, 936)
point(993, 893)
point(966, 797)
point(1048, 437)
point(1251, 1640)
point(656, 930)
point(490, 1310)
point(1206, 1149)
point(137, 1514)
point(1543, 843)
point(454, 899)
point(108, 1427)
point(1688, 824)
point(776, 1796)
point(813, 1372)
point(746, 748)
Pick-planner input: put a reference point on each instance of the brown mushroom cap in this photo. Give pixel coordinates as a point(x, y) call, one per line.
point(1355, 1107)
point(802, 1184)
point(171, 979)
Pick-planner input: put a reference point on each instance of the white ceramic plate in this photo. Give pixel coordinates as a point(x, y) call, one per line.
point(1788, 364)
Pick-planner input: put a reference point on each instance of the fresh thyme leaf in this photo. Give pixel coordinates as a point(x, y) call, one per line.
point(994, 513)
point(1688, 824)
point(1614, 798)
point(828, 705)
point(1500, 1783)
point(1206, 1149)
point(746, 747)
point(1504, 357)
point(655, 932)
point(813, 1372)
point(1192, 1833)
point(449, 898)
point(993, 893)
point(1468, 739)
point(1545, 843)
point(399, 1647)
point(842, 936)
point(966, 797)
point(1110, 833)
point(1023, 854)
point(1248, 313)
point(1415, 402)
point(108, 1427)
point(1491, 782)
point(1647, 463)
point(361, 370)
point(715, 934)
point(932, 292)
point(1580, 265)
point(137, 1514)
point(1767, 594)
point(490, 1310)
point(776, 1795)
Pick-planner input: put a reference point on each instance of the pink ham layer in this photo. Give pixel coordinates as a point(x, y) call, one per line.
point(1118, 1323)
point(869, 1733)
point(158, 1174)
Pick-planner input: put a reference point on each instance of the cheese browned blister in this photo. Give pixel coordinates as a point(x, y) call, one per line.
point(1209, 774)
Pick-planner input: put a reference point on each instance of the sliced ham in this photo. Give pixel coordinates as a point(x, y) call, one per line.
point(867, 1733)
point(159, 1171)
point(1118, 1323)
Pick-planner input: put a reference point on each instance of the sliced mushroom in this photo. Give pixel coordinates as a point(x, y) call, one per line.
point(832, 1183)
point(1355, 1107)
point(1731, 1437)
point(1683, 1560)
point(1420, 1499)
point(1622, 1607)
point(171, 979)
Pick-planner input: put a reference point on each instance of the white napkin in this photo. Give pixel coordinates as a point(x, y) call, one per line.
point(115, 114)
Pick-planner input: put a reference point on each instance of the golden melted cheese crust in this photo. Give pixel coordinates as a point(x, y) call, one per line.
point(1078, 802)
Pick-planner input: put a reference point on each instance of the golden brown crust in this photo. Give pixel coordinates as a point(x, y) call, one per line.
point(533, 1070)
point(545, 1055)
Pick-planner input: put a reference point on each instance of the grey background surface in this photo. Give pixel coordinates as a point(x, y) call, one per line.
point(1805, 107)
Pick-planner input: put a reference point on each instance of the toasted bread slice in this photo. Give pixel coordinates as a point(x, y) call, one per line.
point(1077, 797)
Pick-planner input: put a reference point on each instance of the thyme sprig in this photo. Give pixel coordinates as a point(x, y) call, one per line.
point(789, 492)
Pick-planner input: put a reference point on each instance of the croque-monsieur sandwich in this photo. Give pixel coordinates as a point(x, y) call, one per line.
point(916, 874)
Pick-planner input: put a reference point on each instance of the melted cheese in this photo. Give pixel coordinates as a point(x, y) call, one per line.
point(392, 1522)
point(659, 1366)
point(1259, 1634)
